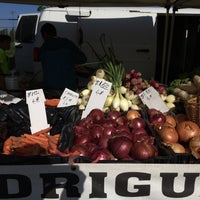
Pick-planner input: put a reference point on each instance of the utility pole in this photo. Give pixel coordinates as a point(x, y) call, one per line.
point(13, 26)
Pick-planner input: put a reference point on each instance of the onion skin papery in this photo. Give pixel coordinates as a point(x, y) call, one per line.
point(171, 120)
point(187, 130)
point(176, 147)
point(132, 114)
point(166, 133)
point(194, 146)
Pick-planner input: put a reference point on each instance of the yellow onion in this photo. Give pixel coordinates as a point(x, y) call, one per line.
point(194, 146)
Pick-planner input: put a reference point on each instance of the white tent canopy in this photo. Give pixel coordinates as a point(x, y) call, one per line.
point(161, 3)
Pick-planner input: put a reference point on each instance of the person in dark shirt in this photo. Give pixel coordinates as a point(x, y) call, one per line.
point(59, 57)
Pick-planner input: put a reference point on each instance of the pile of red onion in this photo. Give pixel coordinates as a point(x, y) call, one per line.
point(113, 136)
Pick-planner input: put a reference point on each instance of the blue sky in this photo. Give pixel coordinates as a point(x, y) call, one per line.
point(9, 11)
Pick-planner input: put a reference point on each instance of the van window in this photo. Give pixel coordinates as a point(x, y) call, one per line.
point(26, 29)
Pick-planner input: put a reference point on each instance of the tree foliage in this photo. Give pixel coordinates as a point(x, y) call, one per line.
point(41, 8)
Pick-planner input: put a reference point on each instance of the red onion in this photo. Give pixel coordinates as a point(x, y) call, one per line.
point(120, 146)
point(103, 141)
point(122, 128)
point(161, 89)
point(139, 134)
point(125, 133)
point(101, 154)
point(109, 131)
point(109, 123)
point(140, 138)
point(157, 118)
point(81, 139)
point(127, 158)
point(114, 114)
point(91, 147)
point(81, 149)
point(137, 123)
point(122, 120)
point(97, 115)
point(96, 131)
point(152, 111)
point(79, 130)
point(154, 83)
point(86, 122)
point(143, 150)
point(139, 131)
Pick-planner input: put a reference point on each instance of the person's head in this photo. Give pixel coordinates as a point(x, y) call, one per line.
point(5, 41)
point(48, 31)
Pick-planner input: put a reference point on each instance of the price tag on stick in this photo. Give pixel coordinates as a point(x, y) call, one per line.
point(37, 112)
point(151, 98)
point(100, 91)
point(68, 98)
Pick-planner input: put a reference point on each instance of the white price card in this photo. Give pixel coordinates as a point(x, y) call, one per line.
point(68, 98)
point(100, 90)
point(151, 98)
point(37, 112)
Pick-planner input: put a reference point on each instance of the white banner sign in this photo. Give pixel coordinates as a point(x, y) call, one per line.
point(100, 181)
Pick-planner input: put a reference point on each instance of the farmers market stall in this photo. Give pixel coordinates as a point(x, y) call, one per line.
point(47, 143)
point(49, 146)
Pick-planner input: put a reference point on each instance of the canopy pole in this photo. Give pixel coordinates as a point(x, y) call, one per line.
point(170, 45)
point(165, 43)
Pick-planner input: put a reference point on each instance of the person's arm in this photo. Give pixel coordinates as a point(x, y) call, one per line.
point(78, 55)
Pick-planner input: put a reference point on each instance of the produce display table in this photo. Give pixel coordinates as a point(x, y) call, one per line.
point(167, 175)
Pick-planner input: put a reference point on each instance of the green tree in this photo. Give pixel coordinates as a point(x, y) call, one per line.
point(41, 8)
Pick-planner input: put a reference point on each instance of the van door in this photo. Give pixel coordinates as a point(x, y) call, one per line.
point(24, 40)
point(133, 39)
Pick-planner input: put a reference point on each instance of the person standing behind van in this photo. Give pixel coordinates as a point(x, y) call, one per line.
point(59, 57)
point(5, 41)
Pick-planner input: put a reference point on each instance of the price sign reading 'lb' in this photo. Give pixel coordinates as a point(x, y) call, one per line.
point(37, 112)
point(100, 90)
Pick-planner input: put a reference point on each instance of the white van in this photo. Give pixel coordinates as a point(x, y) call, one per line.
point(124, 28)
point(136, 34)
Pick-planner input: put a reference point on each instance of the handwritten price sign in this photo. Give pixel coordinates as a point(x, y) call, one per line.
point(151, 98)
point(68, 98)
point(100, 91)
point(37, 112)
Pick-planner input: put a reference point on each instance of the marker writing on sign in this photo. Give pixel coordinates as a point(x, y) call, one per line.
point(68, 98)
point(100, 91)
point(37, 112)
